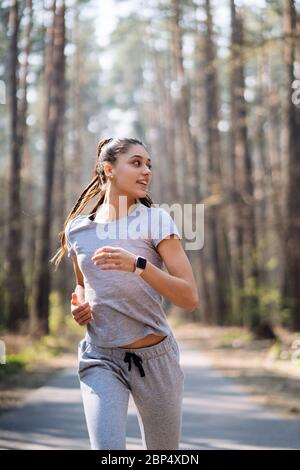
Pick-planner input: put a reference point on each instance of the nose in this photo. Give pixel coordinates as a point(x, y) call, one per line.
point(147, 170)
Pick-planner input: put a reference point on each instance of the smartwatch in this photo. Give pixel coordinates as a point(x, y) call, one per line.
point(140, 264)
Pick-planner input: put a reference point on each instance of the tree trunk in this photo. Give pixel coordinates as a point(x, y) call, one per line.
point(191, 192)
point(215, 192)
point(190, 173)
point(15, 286)
point(245, 265)
point(42, 283)
point(291, 291)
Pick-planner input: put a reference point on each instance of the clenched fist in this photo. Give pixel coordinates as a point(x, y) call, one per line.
point(81, 311)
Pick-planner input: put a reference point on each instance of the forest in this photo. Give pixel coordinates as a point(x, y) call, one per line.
point(212, 88)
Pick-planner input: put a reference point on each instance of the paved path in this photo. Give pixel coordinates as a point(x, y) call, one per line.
point(217, 414)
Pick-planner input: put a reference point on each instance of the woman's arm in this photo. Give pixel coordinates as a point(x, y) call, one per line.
point(179, 286)
point(81, 311)
point(79, 289)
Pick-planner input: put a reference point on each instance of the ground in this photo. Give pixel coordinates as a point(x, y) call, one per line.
point(263, 368)
point(46, 360)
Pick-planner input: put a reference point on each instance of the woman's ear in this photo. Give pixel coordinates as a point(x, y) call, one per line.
point(108, 170)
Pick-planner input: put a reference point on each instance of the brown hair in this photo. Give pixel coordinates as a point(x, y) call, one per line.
point(107, 151)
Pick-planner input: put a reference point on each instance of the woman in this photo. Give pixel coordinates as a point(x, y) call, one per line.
point(118, 252)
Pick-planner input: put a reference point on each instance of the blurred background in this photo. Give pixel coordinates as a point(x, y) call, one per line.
point(212, 88)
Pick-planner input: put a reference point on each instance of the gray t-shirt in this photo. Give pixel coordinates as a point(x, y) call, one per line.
point(126, 308)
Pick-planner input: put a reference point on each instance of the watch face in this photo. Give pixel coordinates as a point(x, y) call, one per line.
point(141, 262)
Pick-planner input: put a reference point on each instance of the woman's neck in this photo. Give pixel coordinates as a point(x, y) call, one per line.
point(114, 208)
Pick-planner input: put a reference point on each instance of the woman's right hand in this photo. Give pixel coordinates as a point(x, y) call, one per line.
point(81, 311)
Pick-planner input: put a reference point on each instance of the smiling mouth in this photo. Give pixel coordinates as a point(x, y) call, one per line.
point(143, 184)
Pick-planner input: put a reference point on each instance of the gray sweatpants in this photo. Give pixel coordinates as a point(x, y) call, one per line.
point(152, 375)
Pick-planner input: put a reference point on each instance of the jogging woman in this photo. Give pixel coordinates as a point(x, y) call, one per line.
point(118, 251)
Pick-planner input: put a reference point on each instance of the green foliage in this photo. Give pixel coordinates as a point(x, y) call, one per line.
point(60, 318)
point(56, 313)
point(275, 350)
point(14, 364)
point(283, 352)
point(134, 91)
point(235, 338)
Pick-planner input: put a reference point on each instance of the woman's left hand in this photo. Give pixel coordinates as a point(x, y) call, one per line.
point(109, 257)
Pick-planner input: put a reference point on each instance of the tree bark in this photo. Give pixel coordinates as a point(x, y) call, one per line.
point(245, 264)
point(215, 199)
point(42, 284)
point(291, 291)
point(15, 285)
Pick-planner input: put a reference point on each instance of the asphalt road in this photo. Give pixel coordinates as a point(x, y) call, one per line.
point(217, 414)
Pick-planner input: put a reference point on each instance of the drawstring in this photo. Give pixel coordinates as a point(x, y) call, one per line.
point(137, 361)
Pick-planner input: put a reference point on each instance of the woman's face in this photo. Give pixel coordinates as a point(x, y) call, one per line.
point(132, 172)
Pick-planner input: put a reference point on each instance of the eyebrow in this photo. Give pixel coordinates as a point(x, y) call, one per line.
point(140, 156)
